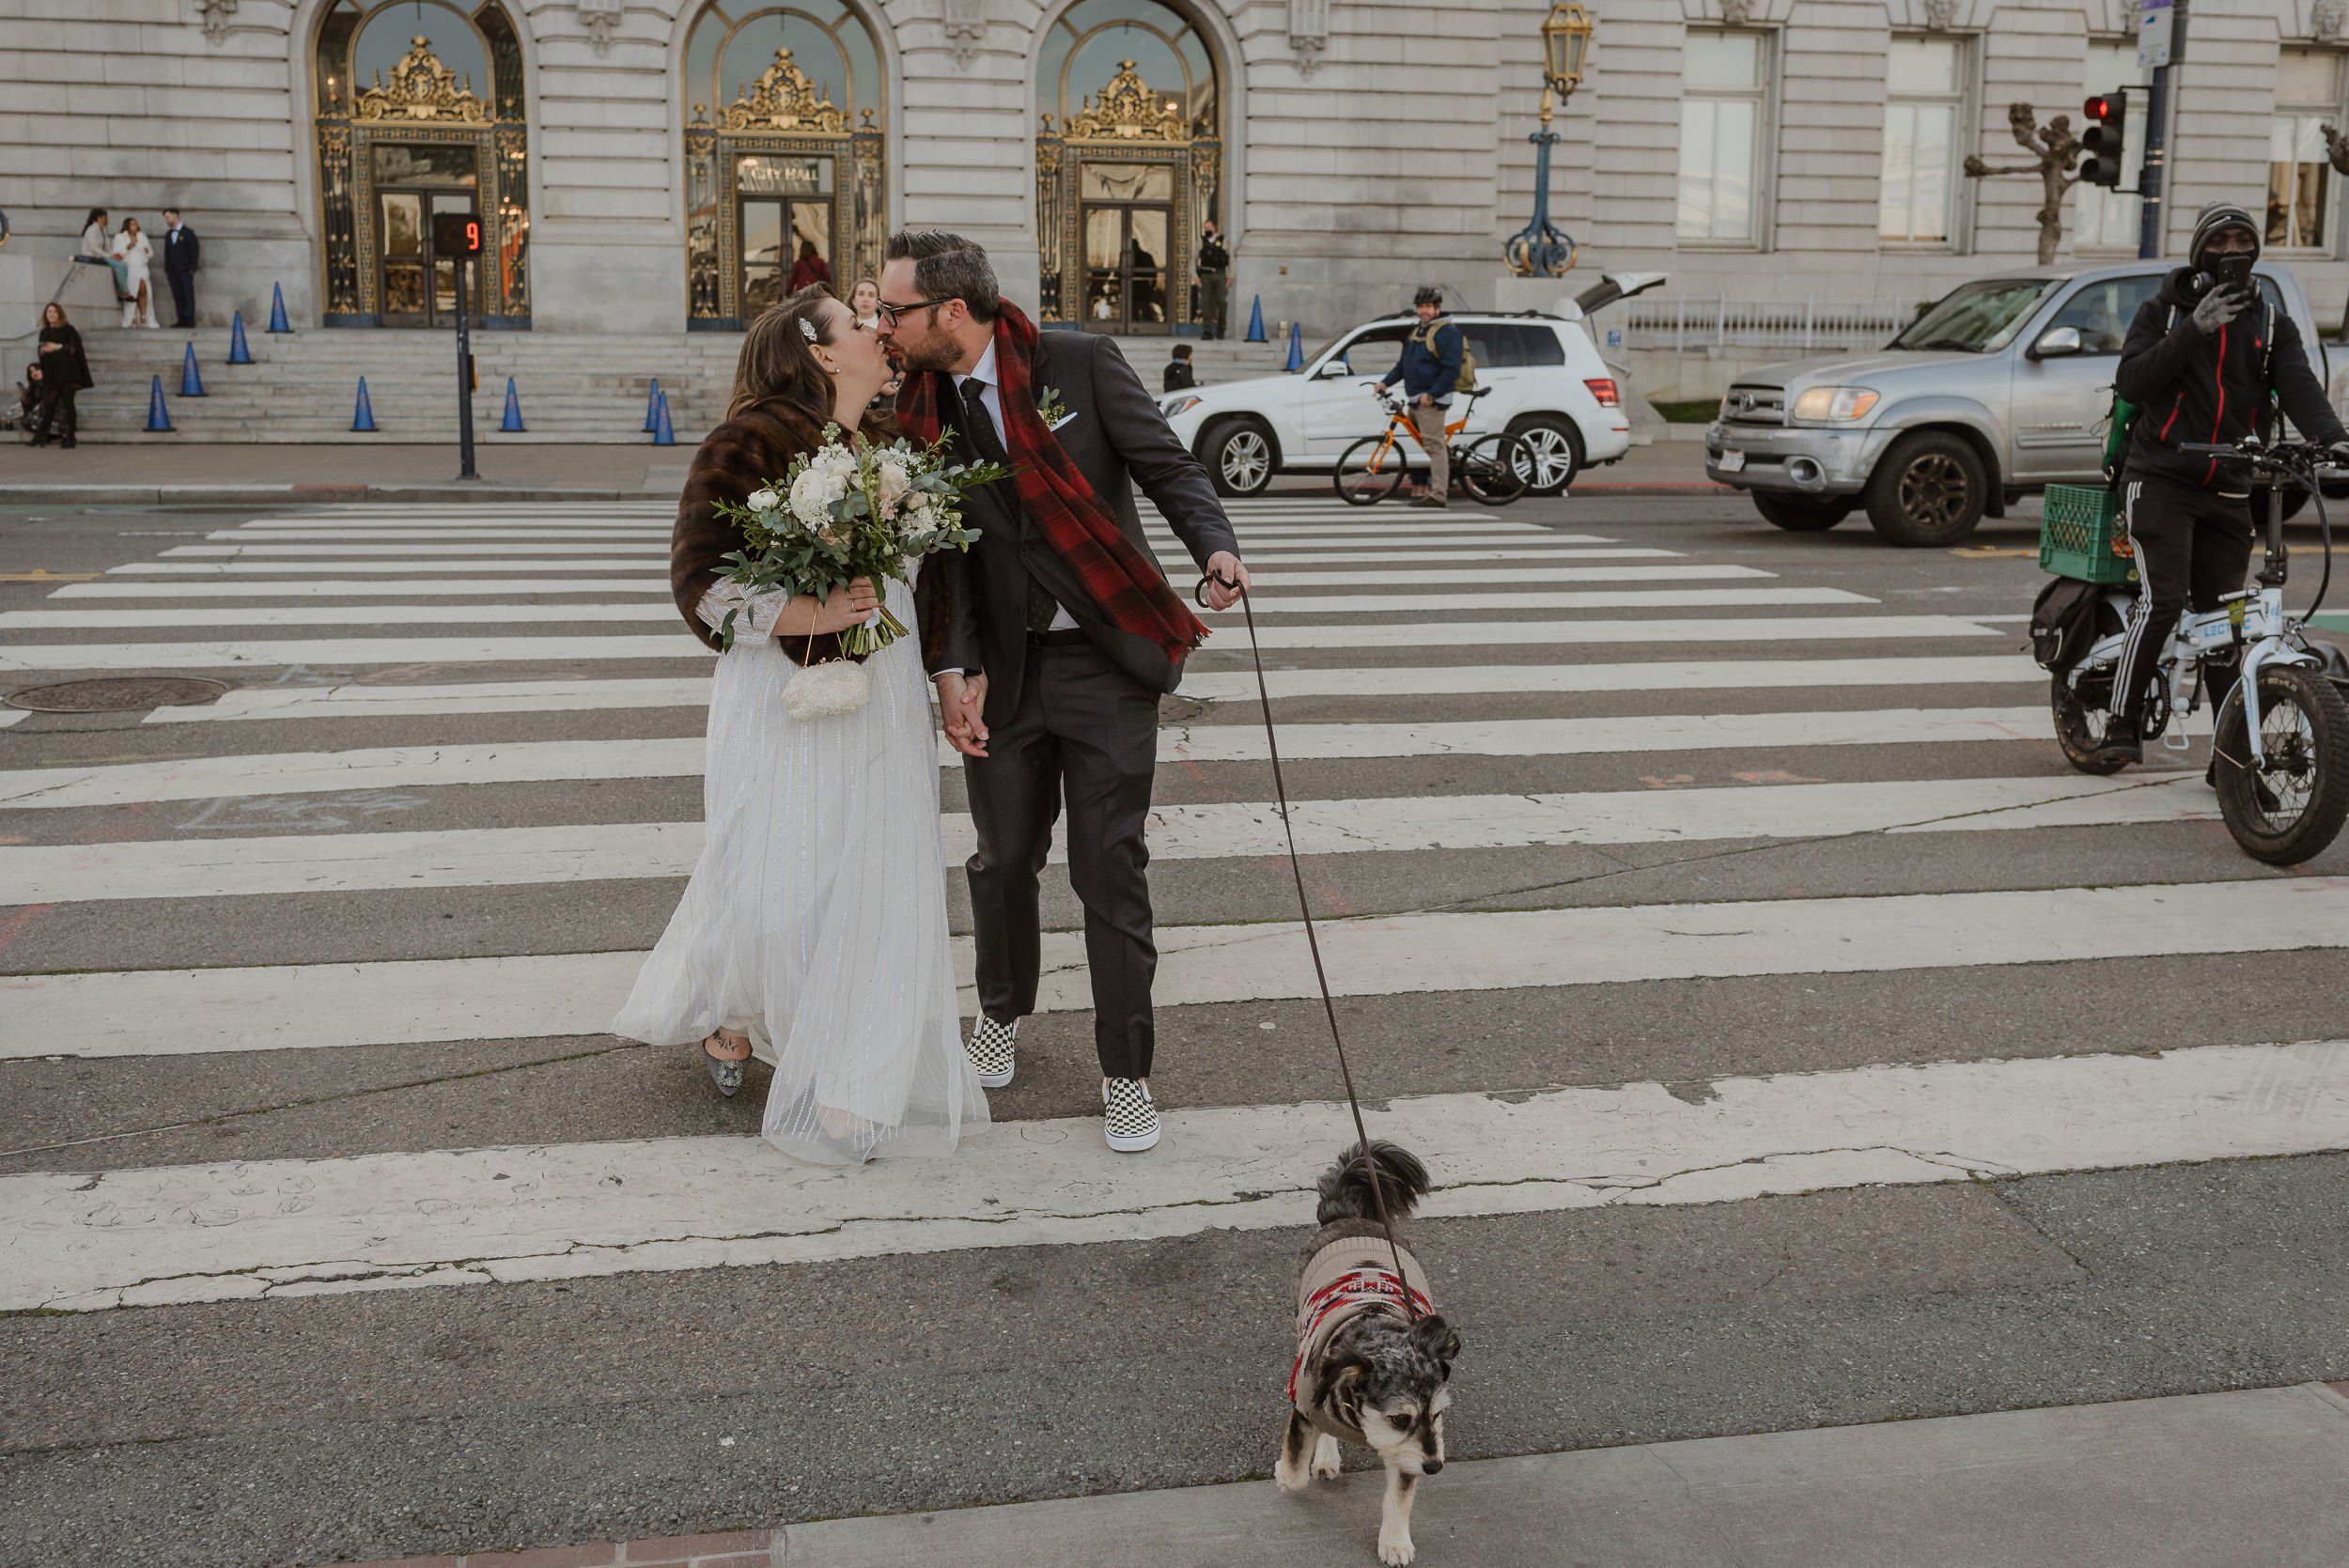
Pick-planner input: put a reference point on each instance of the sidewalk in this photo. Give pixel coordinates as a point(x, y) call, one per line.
point(116, 475)
point(2204, 1480)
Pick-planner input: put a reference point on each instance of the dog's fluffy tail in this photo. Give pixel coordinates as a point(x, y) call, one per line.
point(1345, 1187)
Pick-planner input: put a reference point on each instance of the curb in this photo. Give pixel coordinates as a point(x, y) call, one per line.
point(456, 494)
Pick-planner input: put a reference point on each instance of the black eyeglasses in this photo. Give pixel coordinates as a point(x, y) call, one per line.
point(890, 313)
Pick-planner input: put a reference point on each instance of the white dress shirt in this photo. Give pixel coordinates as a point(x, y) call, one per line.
point(991, 399)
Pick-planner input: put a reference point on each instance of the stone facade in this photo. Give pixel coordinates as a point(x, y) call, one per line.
point(1363, 147)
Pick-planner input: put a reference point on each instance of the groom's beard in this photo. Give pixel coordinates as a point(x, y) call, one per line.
point(935, 352)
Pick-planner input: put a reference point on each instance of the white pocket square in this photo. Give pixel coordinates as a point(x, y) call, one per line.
point(1063, 419)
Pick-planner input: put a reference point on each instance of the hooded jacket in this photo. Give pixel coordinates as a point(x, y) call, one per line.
point(2215, 389)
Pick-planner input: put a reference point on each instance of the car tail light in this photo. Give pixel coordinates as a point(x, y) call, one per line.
point(1604, 391)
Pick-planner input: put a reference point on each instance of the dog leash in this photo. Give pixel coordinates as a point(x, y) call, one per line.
point(1312, 941)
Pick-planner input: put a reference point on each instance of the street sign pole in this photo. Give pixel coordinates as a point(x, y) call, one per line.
point(2161, 45)
point(464, 374)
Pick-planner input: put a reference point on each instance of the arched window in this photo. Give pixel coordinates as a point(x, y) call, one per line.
point(1129, 163)
point(784, 167)
point(420, 112)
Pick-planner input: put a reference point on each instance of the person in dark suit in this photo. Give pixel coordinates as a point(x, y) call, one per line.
point(1063, 633)
point(182, 257)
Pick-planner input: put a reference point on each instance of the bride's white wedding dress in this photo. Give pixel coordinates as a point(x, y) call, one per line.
point(815, 920)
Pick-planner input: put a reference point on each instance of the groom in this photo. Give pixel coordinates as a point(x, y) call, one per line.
point(1064, 635)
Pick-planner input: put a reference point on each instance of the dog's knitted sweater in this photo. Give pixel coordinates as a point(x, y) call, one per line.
point(1348, 1277)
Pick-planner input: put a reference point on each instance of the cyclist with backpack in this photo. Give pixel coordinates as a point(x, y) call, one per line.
point(1434, 365)
point(2207, 361)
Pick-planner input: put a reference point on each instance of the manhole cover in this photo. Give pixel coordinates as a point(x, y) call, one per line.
point(121, 694)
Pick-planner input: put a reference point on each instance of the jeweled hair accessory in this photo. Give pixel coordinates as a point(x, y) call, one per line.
point(807, 329)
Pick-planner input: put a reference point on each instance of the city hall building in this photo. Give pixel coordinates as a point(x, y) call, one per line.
point(663, 166)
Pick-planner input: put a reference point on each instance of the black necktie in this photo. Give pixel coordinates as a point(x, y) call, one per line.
point(1043, 609)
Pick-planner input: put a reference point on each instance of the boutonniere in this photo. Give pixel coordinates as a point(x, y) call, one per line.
point(1049, 408)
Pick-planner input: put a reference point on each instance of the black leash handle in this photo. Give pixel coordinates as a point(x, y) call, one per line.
point(1313, 941)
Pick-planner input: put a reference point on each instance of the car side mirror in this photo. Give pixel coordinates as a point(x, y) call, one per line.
point(1331, 369)
point(2057, 343)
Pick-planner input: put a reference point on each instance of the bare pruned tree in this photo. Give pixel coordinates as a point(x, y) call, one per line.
point(2055, 153)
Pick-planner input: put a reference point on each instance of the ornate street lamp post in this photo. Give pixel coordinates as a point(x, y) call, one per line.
point(1540, 249)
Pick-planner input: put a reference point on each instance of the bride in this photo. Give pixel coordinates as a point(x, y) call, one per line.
point(814, 931)
point(133, 250)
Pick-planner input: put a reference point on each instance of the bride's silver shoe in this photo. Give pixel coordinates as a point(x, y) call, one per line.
point(727, 1075)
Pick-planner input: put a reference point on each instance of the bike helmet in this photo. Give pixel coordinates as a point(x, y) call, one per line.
point(1428, 295)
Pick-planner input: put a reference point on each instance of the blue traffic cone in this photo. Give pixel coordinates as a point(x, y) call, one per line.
point(1296, 347)
point(661, 434)
point(191, 383)
point(277, 322)
point(1256, 321)
point(238, 352)
point(362, 416)
point(652, 407)
point(513, 420)
point(158, 416)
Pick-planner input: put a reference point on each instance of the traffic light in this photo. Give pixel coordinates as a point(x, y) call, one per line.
point(2107, 133)
point(455, 234)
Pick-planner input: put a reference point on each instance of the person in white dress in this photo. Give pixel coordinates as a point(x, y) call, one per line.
point(813, 934)
point(132, 249)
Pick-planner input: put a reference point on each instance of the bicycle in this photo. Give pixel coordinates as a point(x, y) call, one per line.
point(2279, 751)
point(1491, 470)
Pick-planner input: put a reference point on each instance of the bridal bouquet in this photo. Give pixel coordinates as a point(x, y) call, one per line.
point(851, 508)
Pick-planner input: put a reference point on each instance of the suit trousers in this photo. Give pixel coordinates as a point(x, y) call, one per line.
point(183, 299)
point(1087, 731)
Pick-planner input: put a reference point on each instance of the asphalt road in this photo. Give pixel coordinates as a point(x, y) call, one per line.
point(1853, 855)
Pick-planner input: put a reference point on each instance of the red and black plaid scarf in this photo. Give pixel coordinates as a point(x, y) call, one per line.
point(1126, 584)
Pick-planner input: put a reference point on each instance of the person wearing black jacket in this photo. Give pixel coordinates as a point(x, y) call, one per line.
point(64, 372)
point(2206, 362)
point(182, 255)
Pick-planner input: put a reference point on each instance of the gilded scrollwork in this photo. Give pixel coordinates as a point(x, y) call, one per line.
point(421, 88)
point(1128, 111)
point(784, 98)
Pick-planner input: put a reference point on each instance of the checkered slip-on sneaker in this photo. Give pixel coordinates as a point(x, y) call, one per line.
point(994, 1051)
point(1129, 1118)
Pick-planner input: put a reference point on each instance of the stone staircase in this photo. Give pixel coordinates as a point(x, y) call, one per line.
point(575, 388)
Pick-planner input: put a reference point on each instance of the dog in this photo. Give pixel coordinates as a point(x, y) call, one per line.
point(1368, 1369)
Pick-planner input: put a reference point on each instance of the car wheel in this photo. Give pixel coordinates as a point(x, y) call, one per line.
point(1239, 457)
point(1928, 491)
point(1549, 452)
point(1800, 514)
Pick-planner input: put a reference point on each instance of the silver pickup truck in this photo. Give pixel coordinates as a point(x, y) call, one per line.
point(1999, 389)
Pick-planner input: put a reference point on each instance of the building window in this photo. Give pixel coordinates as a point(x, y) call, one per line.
point(1724, 81)
point(2110, 220)
point(2300, 175)
point(1924, 118)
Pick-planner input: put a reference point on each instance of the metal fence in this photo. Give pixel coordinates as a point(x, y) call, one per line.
point(1683, 324)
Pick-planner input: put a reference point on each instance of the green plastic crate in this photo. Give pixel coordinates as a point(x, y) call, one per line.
point(2079, 535)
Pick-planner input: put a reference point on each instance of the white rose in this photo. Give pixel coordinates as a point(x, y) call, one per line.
point(763, 500)
point(809, 502)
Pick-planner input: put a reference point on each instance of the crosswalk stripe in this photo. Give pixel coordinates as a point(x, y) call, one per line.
point(555, 696)
point(337, 652)
point(254, 532)
point(289, 569)
point(266, 552)
point(547, 761)
point(1174, 561)
point(414, 1002)
point(1267, 582)
point(443, 615)
point(253, 1229)
point(628, 851)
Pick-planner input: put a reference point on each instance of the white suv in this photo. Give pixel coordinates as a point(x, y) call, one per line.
point(1543, 378)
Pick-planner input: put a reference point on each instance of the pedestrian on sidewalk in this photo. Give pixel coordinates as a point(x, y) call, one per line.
point(64, 372)
point(182, 257)
point(1179, 376)
point(1212, 272)
point(1430, 373)
point(29, 393)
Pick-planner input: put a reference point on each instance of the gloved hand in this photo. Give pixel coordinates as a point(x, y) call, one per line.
point(2217, 307)
point(2337, 454)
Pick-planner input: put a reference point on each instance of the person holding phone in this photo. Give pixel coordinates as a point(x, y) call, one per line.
point(2207, 361)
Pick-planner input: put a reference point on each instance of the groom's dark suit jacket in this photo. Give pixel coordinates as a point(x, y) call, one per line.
point(1117, 438)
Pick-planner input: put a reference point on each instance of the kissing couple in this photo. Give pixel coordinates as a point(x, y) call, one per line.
point(814, 933)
